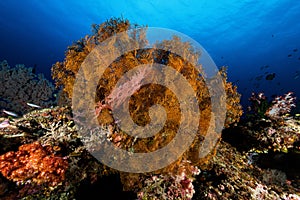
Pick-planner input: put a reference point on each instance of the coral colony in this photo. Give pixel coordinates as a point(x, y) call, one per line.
point(281, 105)
point(42, 155)
point(33, 162)
point(21, 88)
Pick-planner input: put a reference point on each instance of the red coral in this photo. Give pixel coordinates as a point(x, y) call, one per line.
point(33, 163)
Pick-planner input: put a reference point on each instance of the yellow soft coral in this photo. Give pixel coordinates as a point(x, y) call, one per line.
point(64, 72)
point(149, 95)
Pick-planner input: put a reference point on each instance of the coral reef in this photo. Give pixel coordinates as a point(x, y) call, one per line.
point(234, 173)
point(233, 177)
point(170, 186)
point(271, 124)
point(20, 85)
point(64, 74)
point(276, 137)
point(53, 161)
point(33, 163)
point(281, 105)
point(261, 108)
point(43, 156)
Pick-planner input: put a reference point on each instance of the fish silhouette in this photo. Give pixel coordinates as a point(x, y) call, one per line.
point(270, 77)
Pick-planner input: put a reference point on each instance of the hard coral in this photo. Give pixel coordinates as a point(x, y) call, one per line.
point(33, 163)
point(20, 85)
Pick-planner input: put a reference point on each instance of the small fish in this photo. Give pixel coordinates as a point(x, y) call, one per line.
point(295, 50)
point(10, 113)
point(270, 77)
point(33, 105)
point(290, 55)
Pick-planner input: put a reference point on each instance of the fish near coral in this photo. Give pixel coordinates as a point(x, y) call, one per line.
point(33, 105)
point(10, 113)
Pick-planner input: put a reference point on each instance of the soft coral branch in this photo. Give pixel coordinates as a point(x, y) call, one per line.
point(281, 106)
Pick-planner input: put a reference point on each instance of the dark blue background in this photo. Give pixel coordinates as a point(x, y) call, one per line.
point(243, 35)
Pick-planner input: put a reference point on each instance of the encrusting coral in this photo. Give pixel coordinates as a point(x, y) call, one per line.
point(20, 85)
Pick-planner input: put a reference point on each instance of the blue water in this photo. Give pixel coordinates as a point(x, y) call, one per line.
point(243, 35)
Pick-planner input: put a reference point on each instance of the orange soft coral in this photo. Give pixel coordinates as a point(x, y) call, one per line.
point(151, 94)
point(64, 72)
